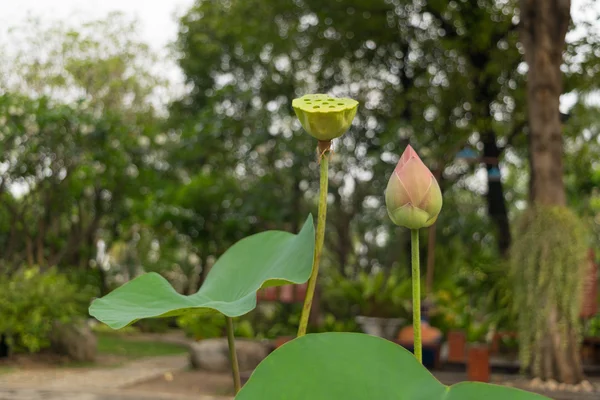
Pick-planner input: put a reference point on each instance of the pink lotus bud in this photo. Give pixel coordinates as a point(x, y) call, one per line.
point(413, 196)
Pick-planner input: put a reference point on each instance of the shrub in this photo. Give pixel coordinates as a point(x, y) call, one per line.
point(385, 294)
point(212, 325)
point(31, 300)
point(158, 325)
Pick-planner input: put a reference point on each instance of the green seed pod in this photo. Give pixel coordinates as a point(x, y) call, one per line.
point(325, 117)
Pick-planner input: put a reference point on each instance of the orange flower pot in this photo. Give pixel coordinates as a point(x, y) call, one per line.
point(280, 341)
point(478, 363)
point(457, 346)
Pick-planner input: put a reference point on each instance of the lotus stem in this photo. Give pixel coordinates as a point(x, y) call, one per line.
point(235, 367)
point(416, 292)
point(320, 238)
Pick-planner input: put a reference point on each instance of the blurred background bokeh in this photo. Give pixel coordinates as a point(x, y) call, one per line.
point(141, 136)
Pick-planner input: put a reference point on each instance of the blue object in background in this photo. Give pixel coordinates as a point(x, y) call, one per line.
point(494, 174)
point(467, 154)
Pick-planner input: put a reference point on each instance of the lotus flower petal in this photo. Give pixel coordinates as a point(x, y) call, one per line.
point(396, 194)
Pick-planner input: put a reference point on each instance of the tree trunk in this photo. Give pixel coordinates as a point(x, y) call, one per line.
point(495, 194)
point(544, 26)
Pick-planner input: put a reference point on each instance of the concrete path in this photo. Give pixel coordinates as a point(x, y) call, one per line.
point(93, 383)
point(94, 379)
point(42, 394)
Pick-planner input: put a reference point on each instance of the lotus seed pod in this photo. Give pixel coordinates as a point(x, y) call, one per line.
point(325, 117)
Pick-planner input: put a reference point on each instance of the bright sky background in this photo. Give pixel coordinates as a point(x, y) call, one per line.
point(158, 25)
point(156, 16)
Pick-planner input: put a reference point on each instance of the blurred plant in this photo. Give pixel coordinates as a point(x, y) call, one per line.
point(160, 325)
point(212, 325)
point(107, 330)
point(331, 323)
point(592, 327)
point(478, 331)
point(271, 320)
point(475, 293)
point(453, 310)
point(384, 294)
point(81, 142)
point(31, 301)
point(448, 310)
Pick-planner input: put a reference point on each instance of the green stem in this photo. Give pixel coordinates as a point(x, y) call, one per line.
point(312, 282)
point(235, 367)
point(416, 290)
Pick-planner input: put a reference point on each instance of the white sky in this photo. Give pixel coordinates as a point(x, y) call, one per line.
point(156, 16)
point(158, 25)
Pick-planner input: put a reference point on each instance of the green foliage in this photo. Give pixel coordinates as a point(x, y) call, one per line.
point(379, 294)
point(269, 258)
point(592, 327)
point(104, 329)
point(272, 320)
point(331, 323)
point(31, 300)
point(427, 77)
point(477, 300)
point(161, 325)
point(454, 308)
point(547, 265)
point(134, 348)
point(94, 170)
point(210, 325)
point(353, 366)
point(81, 144)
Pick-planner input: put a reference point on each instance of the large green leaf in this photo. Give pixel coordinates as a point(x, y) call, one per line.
point(266, 259)
point(352, 366)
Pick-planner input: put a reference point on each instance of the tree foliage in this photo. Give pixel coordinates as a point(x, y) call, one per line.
point(80, 143)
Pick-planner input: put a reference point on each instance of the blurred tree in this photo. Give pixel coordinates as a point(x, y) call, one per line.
point(65, 178)
point(442, 75)
point(554, 346)
point(101, 62)
point(81, 141)
point(416, 69)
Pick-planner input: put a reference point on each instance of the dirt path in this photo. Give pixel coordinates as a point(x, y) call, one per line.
point(94, 378)
point(36, 394)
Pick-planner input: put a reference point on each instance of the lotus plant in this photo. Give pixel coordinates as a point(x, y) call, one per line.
point(414, 201)
point(325, 118)
point(344, 366)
